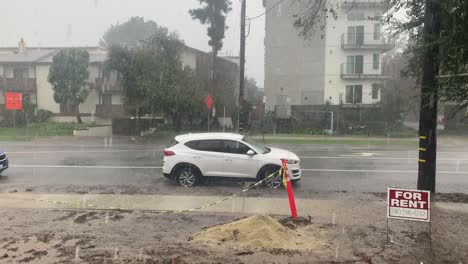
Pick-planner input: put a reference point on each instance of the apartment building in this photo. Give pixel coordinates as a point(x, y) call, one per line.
point(26, 69)
point(340, 63)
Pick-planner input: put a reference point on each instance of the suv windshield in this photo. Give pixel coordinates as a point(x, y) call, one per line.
point(258, 147)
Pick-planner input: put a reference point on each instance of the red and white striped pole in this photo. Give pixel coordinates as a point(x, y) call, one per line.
point(288, 185)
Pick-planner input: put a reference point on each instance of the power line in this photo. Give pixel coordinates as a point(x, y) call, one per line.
point(275, 5)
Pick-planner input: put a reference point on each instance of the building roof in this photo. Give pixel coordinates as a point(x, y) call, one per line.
point(26, 56)
point(45, 55)
point(201, 136)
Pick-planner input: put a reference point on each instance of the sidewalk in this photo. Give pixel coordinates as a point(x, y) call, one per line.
point(238, 205)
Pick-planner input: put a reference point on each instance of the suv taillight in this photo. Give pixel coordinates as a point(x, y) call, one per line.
point(169, 153)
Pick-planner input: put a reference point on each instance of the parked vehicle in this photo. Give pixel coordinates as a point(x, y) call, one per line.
point(3, 162)
point(192, 157)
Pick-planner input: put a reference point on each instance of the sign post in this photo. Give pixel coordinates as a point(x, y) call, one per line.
point(413, 205)
point(208, 103)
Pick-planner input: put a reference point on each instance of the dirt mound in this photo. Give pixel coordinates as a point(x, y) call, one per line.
point(259, 232)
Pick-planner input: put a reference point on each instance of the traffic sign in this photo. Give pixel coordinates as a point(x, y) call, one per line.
point(13, 101)
point(208, 101)
point(408, 204)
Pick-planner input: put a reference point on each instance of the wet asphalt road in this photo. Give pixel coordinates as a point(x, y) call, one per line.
point(121, 166)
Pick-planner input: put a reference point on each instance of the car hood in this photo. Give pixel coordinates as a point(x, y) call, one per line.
point(279, 154)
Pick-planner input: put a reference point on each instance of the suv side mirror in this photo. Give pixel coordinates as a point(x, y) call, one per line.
point(250, 152)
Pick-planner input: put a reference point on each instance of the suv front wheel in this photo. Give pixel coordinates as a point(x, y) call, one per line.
point(274, 178)
point(187, 176)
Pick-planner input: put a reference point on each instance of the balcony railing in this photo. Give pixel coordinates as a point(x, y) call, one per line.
point(109, 86)
point(362, 71)
point(109, 111)
point(370, 41)
point(20, 85)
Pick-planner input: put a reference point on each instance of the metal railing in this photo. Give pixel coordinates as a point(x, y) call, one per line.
point(362, 71)
point(366, 41)
point(109, 86)
point(23, 84)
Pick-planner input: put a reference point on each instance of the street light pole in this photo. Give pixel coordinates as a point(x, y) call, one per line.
point(241, 121)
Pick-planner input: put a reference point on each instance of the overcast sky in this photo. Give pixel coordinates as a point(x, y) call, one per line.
point(83, 22)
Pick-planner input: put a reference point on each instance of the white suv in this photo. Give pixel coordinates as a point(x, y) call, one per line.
point(192, 157)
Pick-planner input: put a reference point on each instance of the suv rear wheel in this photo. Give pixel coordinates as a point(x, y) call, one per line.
point(187, 176)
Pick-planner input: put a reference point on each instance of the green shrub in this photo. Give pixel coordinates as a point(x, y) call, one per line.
point(42, 116)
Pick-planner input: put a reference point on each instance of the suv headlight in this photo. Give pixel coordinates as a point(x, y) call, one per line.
point(291, 161)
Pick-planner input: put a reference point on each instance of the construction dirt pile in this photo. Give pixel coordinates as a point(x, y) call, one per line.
point(257, 232)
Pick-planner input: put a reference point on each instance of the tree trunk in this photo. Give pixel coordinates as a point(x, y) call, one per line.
point(78, 115)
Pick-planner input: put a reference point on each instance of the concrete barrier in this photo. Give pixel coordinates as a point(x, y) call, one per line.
point(101, 131)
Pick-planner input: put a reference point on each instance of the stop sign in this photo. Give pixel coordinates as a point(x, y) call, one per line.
point(208, 101)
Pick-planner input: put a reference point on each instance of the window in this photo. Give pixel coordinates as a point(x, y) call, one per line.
point(376, 31)
point(354, 64)
point(281, 99)
point(376, 61)
point(107, 99)
point(277, 71)
point(235, 147)
point(20, 73)
point(356, 35)
point(353, 94)
point(206, 145)
point(375, 90)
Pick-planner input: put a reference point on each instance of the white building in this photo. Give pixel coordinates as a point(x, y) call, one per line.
point(341, 63)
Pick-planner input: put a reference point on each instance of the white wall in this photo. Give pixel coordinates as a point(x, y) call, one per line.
point(89, 106)
point(86, 119)
point(189, 59)
point(116, 99)
point(335, 55)
point(45, 94)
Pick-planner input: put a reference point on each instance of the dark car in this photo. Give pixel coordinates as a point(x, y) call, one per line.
point(3, 162)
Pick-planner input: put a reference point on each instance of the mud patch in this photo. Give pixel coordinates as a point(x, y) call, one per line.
point(30, 249)
point(86, 217)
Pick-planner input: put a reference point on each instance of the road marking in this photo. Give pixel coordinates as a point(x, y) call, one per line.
point(80, 151)
point(382, 171)
point(362, 154)
point(83, 167)
point(370, 158)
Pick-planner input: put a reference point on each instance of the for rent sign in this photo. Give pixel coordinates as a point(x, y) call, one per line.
point(13, 101)
point(408, 204)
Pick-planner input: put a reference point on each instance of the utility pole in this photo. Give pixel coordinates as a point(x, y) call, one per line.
point(429, 99)
point(241, 120)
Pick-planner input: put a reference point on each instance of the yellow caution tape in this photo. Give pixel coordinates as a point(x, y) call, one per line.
point(92, 206)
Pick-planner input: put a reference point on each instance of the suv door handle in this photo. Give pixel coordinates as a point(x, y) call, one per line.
point(196, 157)
point(228, 159)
